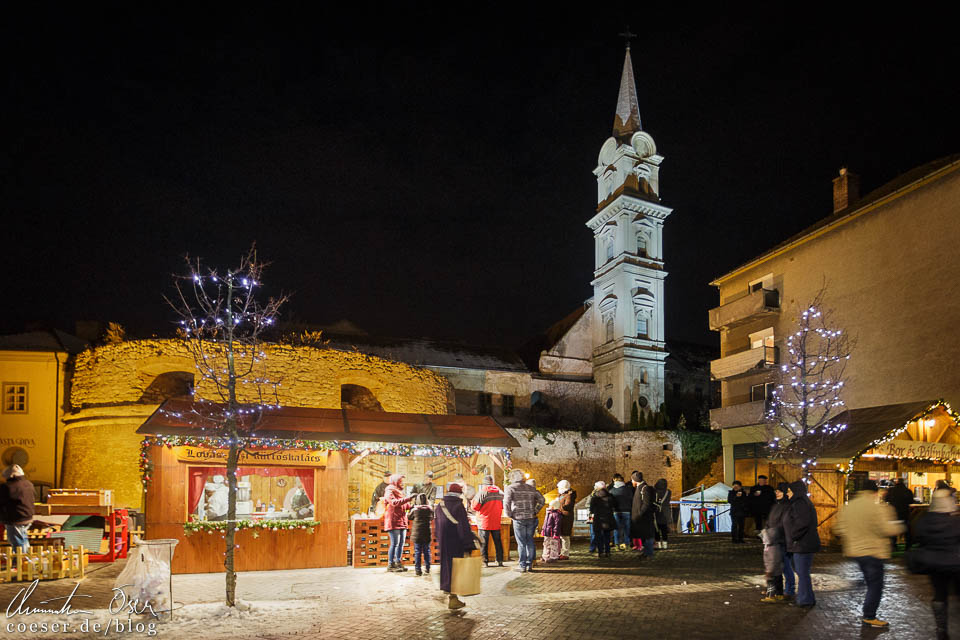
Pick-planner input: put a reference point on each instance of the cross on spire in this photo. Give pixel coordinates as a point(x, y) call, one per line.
point(628, 36)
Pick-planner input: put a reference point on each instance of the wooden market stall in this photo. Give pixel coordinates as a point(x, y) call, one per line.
point(916, 441)
point(300, 480)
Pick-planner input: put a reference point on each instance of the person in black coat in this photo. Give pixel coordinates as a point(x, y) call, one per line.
point(760, 502)
point(737, 498)
point(602, 508)
point(938, 534)
point(900, 498)
point(800, 531)
point(664, 517)
point(642, 514)
point(16, 507)
point(421, 515)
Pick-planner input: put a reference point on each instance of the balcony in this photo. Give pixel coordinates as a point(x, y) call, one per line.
point(749, 361)
point(756, 304)
point(738, 415)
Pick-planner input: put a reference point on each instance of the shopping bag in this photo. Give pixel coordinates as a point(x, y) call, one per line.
point(465, 577)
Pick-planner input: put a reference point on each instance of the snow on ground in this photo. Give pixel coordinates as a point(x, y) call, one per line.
point(207, 620)
point(821, 582)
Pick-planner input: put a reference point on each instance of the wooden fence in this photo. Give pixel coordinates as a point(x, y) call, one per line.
point(48, 562)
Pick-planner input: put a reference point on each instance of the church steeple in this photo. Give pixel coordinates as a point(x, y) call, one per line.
point(626, 312)
point(627, 120)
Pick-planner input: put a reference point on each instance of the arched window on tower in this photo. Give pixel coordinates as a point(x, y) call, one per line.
point(608, 328)
point(609, 246)
point(643, 324)
point(642, 244)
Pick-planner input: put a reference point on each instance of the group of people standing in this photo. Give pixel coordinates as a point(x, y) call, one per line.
point(756, 502)
point(867, 524)
point(415, 512)
point(631, 513)
point(790, 539)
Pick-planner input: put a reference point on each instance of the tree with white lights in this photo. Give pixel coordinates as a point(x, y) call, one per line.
point(801, 416)
point(222, 320)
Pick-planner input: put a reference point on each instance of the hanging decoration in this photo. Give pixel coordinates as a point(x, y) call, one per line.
point(349, 446)
point(892, 435)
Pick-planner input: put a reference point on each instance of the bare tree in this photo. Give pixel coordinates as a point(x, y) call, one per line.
point(222, 323)
point(801, 416)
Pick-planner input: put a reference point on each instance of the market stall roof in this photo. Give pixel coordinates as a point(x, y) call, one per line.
point(180, 417)
point(869, 424)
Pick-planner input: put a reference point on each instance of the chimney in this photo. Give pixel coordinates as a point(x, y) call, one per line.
point(846, 190)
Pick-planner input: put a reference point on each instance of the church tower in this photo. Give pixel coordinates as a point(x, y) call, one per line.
point(627, 311)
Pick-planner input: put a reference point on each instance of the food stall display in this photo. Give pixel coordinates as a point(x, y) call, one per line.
point(298, 480)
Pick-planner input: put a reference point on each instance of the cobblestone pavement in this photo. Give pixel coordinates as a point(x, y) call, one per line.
point(702, 587)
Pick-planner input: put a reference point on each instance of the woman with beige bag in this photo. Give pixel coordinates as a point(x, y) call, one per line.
point(456, 542)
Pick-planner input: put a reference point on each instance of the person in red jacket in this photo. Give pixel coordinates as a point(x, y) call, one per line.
point(395, 521)
point(488, 505)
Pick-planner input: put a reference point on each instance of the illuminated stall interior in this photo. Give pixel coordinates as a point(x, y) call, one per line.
point(300, 480)
point(917, 441)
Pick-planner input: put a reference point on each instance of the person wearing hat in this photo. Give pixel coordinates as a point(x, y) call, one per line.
point(522, 503)
point(379, 490)
point(488, 505)
point(215, 499)
point(776, 562)
point(16, 507)
point(453, 537)
point(428, 489)
point(568, 512)
point(865, 527)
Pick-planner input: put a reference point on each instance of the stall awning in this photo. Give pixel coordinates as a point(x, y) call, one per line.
point(186, 418)
point(869, 424)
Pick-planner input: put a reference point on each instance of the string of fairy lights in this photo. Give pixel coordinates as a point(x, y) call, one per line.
point(892, 435)
point(255, 445)
point(809, 390)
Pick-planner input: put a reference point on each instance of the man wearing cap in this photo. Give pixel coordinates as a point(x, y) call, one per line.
point(379, 490)
point(521, 503)
point(428, 489)
point(488, 505)
point(865, 526)
point(16, 507)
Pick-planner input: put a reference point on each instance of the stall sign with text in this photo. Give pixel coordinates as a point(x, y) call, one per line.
point(285, 457)
point(919, 450)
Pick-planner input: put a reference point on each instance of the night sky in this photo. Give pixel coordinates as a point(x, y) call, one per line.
point(430, 177)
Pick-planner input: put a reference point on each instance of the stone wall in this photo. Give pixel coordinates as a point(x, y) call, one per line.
point(585, 458)
point(110, 399)
point(309, 377)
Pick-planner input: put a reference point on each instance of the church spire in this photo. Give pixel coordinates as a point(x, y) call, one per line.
point(627, 120)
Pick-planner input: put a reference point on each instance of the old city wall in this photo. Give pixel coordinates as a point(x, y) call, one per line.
point(584, 458)
point(113, 394)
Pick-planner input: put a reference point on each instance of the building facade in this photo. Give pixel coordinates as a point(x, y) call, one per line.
point(35, 373)
point(887, 265)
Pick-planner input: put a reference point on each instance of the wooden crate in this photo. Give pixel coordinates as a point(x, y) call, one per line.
point(86, 497)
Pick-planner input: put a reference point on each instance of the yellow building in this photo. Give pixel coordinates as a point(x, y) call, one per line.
point(889, 263)
point(34, 373)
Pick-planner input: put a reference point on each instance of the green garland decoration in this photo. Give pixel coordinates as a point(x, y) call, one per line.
point(349, 446)
point(209, 527)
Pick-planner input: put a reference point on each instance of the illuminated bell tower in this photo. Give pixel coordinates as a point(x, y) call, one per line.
point(628, 334)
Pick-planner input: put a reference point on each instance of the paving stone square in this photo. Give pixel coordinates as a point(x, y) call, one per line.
point(701, 587)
